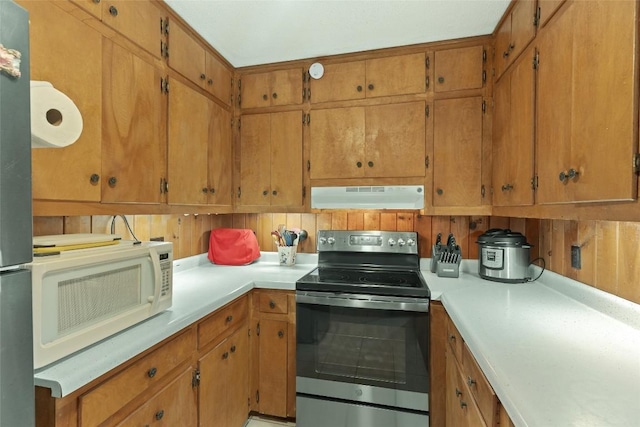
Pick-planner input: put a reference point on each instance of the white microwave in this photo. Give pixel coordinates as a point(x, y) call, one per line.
point(83, 296)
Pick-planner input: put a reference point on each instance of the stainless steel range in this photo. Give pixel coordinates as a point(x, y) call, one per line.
point(363, 333)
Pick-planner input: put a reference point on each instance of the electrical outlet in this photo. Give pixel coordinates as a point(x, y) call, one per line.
point(576, 258)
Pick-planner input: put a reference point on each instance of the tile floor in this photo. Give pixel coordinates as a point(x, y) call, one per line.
point(259, 421)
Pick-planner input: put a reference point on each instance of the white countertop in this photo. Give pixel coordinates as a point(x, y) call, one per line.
point(557, 352)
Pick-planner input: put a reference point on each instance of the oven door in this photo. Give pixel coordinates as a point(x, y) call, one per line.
point(361, 357)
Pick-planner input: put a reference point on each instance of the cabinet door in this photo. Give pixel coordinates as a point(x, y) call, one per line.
point(220, 156)
point(174, 405)
point(339, 82)
point(547, 9)
point(286, 158)
point(66, 173)
point(523, 27)
point(189, 128)
point(218, 79)
point(133, 128)
point(503, 41)
point(461, 408)
point(139, 21)
point(273, 367)
point(395, 140)
point(457, 152)
point(186, 55)
point(396, 75)
point(458, 69)
point(337, 143)
point(255, 90)
point(513, 135)
point(224, 382)
point(255, 164)
point(286, 87)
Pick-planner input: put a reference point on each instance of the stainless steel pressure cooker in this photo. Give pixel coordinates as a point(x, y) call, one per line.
point(504, 256)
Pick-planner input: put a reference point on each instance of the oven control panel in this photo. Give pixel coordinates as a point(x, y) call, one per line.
point(403, 242)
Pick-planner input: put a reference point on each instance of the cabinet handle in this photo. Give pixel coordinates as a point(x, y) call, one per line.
point(225, 355)
point(159, 414)
point(233, 349)
point(370, 164)
point(274, 95)
point(202, 76)
point(94, 178)
point(113, 181)
point(570, 174)
point(359, 164)
point(229, 318)
point(152, 372)
point(470, 381)
point(272, 304)
point(507, 187)
point(359, 88)
point(113, 11)
point(280, 333)
point(440, 191)
point(370, 86)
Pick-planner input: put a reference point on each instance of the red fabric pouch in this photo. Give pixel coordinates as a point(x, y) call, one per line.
point(233, 246)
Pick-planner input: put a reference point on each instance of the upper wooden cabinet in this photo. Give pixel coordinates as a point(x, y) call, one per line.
point(457, 150)
point(140, 21)
point(282, 87)
point(379, 141)
point(199, 149)
point(587, 105)
point(271, 159)
point(513, 134)
point(134, 137)
point(73, 172)
point(459, 69)
point(92, 6)
point(188, 57)
point(546, 9)
point(514, 34)
point(394, 75)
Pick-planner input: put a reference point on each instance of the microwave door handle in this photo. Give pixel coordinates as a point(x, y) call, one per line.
point(155, 260)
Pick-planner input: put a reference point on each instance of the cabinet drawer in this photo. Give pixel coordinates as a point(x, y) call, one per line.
point(225, 319)
point(105, 400)
point(454, 339)
point(174, 405)
point(479, 387)
point(273, 303)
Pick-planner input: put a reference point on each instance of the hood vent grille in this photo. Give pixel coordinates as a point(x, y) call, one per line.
point(368, 197)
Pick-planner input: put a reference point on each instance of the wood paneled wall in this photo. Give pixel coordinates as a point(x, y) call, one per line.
point(610, 256)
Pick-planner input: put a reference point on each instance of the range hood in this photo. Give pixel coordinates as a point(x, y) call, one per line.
point(368, 197)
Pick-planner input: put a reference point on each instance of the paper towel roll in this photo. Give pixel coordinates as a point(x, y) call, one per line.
point(55, 120)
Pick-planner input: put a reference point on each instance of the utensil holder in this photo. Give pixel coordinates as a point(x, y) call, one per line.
point(287, 255)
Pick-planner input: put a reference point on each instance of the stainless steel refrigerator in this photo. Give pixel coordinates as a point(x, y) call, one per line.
point(17, 394)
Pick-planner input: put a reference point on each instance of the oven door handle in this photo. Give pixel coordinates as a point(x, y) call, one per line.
point(373, 302)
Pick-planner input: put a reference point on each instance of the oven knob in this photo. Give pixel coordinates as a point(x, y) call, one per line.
point(331, 240)
point(401, 242)
point(322, 240)
point(391, 242)
point(411, 242)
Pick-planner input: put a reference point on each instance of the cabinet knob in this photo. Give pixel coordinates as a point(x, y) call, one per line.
point(229, 318)
point(463, 404)
point(225, 355)
point(205, 190)
point(440, 191)
point(274, 95)
point(212, 190)
point(570, 174)
point(233, 349)
point(202, 76)
point(359, 164)
point(265, 97)
point(370, 87)
point(265, 192)
point(280, 334)
point(210, 82)
point(94, 179)
point(274, 192)
point(152, 372)
point(452, 338)
point(113, 181)
point(470, 381)
point(440, 79)
point(272, 304)
point(505, 54)
point(370, 163)
point(359, 88)
point(96, 1)
point(159, 414)
point(458, 392)
point(113, 11)
point(507, 187)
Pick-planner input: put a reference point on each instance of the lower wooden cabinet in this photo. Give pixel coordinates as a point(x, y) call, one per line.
point(273, 387)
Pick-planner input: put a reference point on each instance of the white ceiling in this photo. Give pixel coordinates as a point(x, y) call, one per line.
point(252, 32)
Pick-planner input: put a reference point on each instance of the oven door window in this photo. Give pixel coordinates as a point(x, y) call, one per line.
point(382, 348)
